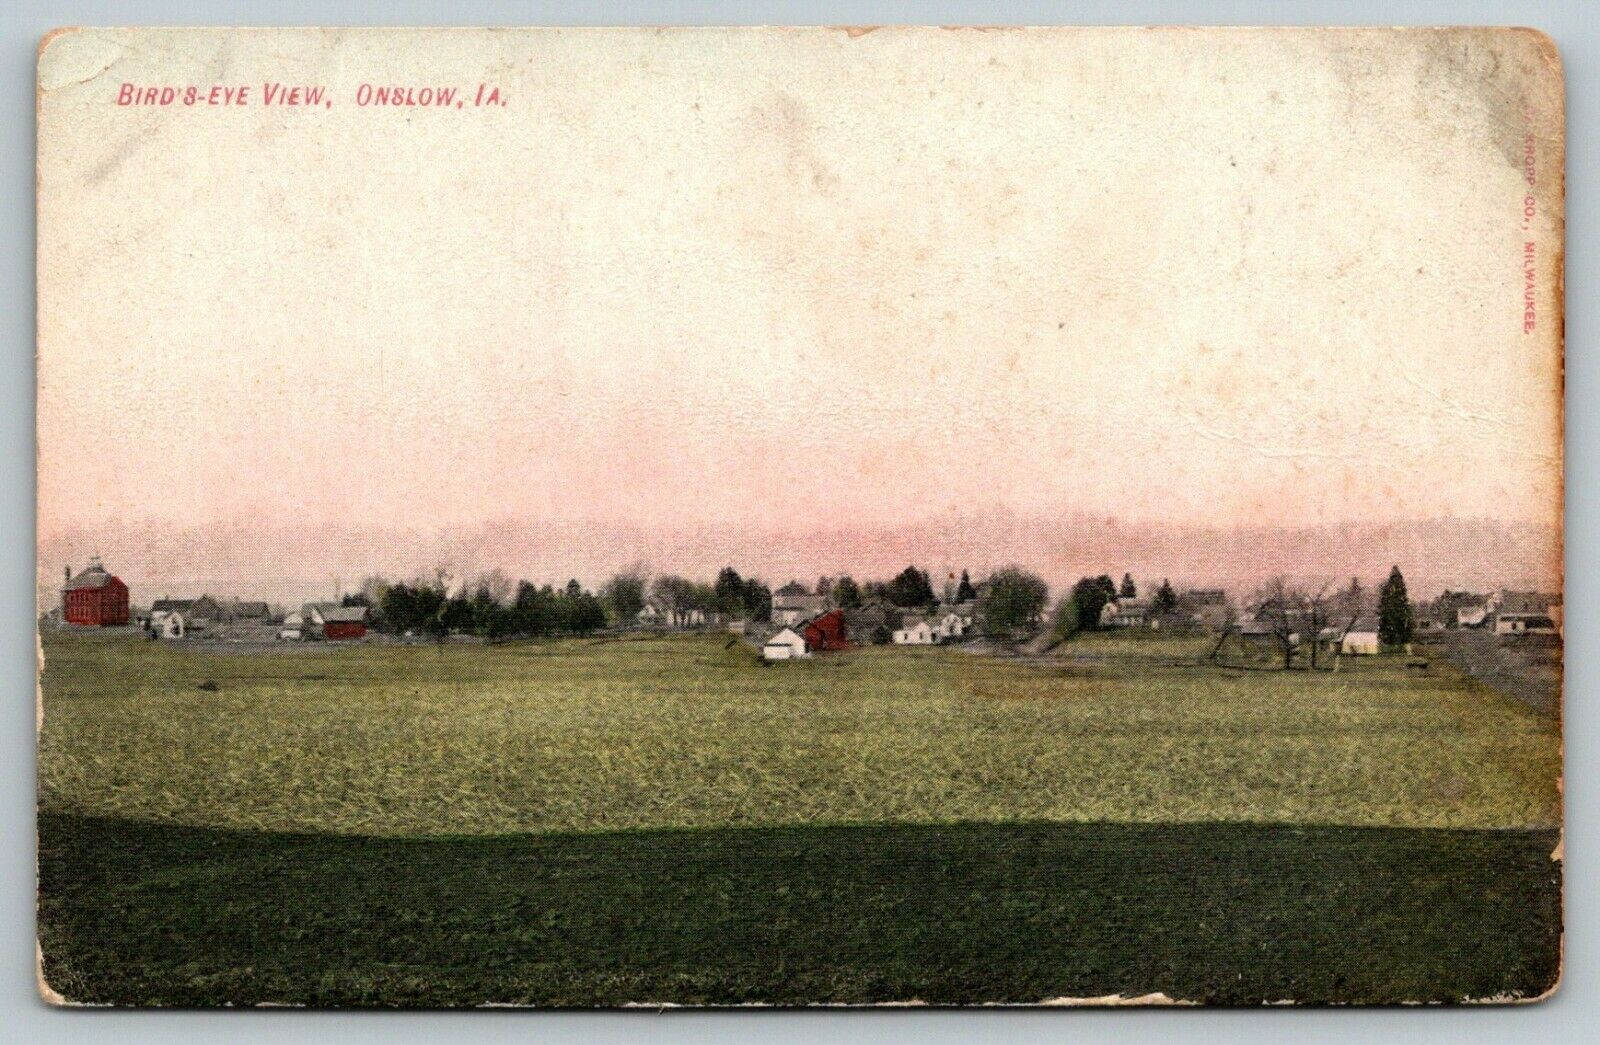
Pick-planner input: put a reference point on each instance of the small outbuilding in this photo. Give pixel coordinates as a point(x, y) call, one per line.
point(787, 644)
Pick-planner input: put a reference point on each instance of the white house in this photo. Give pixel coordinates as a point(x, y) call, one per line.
point(1524, 624)
point(950, 627)
point(292, 627)
point(785, 645)
point(1125, 613)
point(793, 604)
point(1471, 616)
point(915, 631)
point(167, 624)
point(659, 614)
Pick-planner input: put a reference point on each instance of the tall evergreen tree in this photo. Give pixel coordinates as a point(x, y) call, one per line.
point(729, 596)
point(965, 592)
point(846, 593)
point(1394, 611)
point(1129, 590)
point(1166, 599)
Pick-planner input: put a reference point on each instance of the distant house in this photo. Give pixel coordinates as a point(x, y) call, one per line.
point(1195, 598)
point(1526, 612)
point(1507, 601)
point(1472, 616)
point(660, 614)
point(1207, 607)
point(951, 626)
point(1262, 627)
point(967, 611)
point(291, 630)
point(1176, 621)
point(94, 597)
point(872, 623)
point(334, 622)
point(826, 631)
point(787, 644)
point(198, 612)
point(915, 631)
point(1524, 624)
point(794, 603)
point(1125, 613)
point(238, 610)
point(166, 624)
point(1360, 637)
point(1355, 638)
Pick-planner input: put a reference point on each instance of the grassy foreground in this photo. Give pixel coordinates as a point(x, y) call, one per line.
point(1223, 913)
point(587, 736)
point(604, 823)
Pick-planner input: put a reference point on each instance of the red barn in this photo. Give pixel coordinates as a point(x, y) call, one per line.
point(340, 622)
point(94, 597)
point(826, 632)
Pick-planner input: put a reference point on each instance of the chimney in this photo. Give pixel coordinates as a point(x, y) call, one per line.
point(68, 571)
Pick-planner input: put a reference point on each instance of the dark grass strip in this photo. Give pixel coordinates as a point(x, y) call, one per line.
point(138, 914)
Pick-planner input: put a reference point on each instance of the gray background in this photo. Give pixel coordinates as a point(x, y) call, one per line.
point(1573, 1014)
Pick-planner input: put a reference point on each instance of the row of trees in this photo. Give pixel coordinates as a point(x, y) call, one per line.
point(429, 608)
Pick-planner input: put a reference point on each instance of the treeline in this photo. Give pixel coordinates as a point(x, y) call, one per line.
point(429, 608)
point(1010, 599)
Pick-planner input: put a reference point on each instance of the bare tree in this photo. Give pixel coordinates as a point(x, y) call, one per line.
point(1278, 605)
point(1230, 624)
point(1320, 609)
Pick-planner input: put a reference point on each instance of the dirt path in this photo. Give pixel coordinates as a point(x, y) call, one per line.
point(1526, 669)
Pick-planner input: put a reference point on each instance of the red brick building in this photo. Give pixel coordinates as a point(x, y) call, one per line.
point(94, 597)
point(826, 632)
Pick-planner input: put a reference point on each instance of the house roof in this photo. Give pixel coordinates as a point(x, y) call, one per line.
point(95, 576)
point(907, 623)
point(1524, 602)
point(1341, 627)
point(249, 609)
point(793, 635)
point(342, 614)
point(793, 588)
point(179, 605)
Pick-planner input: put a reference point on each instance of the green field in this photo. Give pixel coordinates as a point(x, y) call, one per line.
point(668, 820)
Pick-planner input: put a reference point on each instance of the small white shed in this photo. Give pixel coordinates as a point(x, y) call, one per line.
point(787, 644)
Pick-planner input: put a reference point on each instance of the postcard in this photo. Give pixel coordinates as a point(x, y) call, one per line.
point(574, 517)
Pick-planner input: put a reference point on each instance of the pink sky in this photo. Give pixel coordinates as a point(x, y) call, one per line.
point(858, 283)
